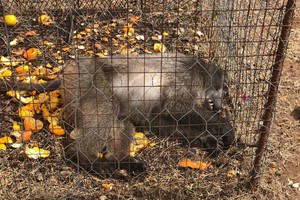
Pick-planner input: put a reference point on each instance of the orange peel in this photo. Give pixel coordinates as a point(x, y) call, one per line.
point(30, 54)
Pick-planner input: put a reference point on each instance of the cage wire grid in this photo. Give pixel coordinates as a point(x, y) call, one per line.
point(247, 39)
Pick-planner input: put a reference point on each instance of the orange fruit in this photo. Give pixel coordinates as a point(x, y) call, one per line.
point(30, 54)
point(10, 20)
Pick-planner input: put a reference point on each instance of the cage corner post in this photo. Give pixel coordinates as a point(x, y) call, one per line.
point(272, 93)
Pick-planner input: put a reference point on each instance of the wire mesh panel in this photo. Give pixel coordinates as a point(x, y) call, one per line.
point(167, 95)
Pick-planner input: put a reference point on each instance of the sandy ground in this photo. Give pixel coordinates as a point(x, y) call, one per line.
point(284, 155)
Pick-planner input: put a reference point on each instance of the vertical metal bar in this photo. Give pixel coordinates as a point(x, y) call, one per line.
point(272, 94)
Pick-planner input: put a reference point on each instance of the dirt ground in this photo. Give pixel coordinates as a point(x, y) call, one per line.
point(53, 179)
point(284, 155)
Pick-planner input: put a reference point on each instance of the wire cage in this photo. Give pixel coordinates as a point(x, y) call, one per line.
point(175, 97)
